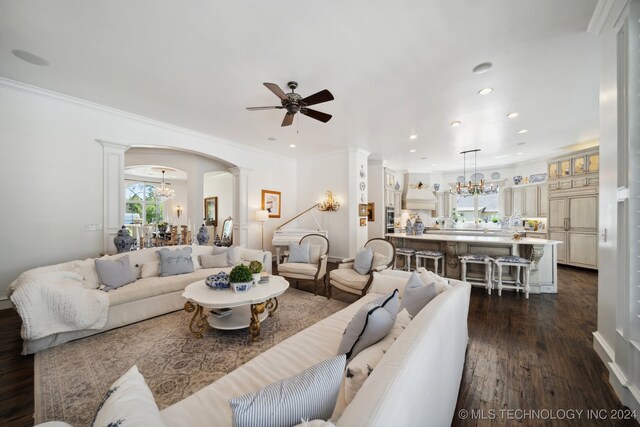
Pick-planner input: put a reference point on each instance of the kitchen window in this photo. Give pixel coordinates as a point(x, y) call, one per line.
point(480, 206)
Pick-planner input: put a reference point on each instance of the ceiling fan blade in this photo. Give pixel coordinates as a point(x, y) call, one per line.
point(276, 89)
point(264, 108)
point(314, 114)
point(288, 119)
point(317, 98)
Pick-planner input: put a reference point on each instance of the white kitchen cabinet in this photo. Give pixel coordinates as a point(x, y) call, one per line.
point(573, 207)
point(530, 208)
point(517, 201)
point(543, 200)
point(506, 201)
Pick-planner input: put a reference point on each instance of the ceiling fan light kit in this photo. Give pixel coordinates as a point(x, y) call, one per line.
point(295, 103)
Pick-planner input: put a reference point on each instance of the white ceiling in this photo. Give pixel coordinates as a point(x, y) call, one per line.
point(395, 68)
point(155, 171)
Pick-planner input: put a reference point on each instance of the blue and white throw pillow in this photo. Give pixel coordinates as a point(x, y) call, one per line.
point(310, 394)
point(370, 324)
point(128, 403)
point(363, 260)
point(417, 294)
point(177, 261)
point(299, 252)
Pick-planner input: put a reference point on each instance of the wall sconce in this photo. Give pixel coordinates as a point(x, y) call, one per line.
point(179, 211)
point(329, 204)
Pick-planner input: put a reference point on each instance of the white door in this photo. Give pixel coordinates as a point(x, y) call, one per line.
point(517, 196)
point(531, 201)
point(557, 213)
point(543, 200)
point(583, 213)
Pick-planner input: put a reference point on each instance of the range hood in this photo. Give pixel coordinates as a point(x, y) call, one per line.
point(419, 195)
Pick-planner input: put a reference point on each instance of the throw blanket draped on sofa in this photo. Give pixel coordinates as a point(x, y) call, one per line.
point(57, 302)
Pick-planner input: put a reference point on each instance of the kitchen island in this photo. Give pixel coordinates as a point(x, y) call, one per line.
point(542, 253)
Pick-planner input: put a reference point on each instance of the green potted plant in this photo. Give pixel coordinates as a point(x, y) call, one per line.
point(256, 268)
point(241, 278)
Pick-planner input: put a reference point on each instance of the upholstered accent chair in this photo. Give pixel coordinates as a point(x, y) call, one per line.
point(316, 270)
point(347, 279)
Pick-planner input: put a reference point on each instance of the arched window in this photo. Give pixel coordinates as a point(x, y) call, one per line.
point(141, 204)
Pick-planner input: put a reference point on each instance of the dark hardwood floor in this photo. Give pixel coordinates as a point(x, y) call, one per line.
point(536, 354)
point(522, 355)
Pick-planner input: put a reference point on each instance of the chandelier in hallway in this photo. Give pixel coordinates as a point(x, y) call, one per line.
point(164, 192)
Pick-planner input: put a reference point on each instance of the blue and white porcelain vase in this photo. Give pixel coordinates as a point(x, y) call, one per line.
point(418, 226)
point(203, 235)
point(123, 240)
point(408, 229)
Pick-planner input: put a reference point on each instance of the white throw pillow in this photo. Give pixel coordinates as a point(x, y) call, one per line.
point(427, 277)
point(378, 260)
point(214, 261)
point(150, 269)
point(370, 324)
point(87, 269)
point(359, 369)
point(315, 423)
point(128, 403)
point(234, 255)
point(385, 283)
point(417, 294)
point(310, 394)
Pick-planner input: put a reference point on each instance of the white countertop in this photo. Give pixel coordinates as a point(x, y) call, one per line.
point(498, 240)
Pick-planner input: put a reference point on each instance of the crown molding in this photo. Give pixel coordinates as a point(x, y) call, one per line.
point(605, 9)
point(13, 84)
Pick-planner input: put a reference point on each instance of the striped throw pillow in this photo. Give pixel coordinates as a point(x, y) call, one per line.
point(371, 323)
point(308, 395)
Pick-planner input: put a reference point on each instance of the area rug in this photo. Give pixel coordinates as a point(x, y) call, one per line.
point(71, 379)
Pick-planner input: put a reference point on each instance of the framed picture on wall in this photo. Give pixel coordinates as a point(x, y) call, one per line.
point(362, 209)
point(211, 211)
point(271, 202)
point(371, 211)
point(363, 222)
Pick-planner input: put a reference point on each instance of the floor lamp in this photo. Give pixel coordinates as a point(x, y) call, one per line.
point(261, 217)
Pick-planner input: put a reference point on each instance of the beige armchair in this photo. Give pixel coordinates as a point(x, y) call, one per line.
point(349, 280)
point(316, 269)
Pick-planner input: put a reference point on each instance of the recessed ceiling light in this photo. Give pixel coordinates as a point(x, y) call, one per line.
point(513, 115)
point(521, 143)
point(292, 145)
point(414, 136)
point(523, 131)
point(271, 138)
point(455, 123)
point(519, 154)
point(30, 57)
point(412, 150)
point(482, 68)
point(485, 91)
point(434, 164)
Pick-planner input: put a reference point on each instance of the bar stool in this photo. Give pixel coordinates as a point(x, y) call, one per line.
point(436, 256)
point(485, 260)
point(407, 254)
point(518, 263)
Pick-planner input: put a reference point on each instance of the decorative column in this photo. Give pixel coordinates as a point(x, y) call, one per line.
point(533, 253)
point(240, 205)
point(451, 259)
point(113, 191)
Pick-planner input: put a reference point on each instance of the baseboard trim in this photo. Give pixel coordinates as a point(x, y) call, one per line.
point(603, 349)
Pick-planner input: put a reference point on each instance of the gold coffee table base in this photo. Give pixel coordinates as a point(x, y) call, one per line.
point(199, 323)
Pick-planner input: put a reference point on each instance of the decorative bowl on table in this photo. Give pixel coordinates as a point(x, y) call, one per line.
point(218, 281)
point(241, 287)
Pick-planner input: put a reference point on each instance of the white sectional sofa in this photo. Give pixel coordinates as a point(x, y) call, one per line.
point(416, 382)
point(145, 298)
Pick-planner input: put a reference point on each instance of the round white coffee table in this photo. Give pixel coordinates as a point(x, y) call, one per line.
point(247, 309)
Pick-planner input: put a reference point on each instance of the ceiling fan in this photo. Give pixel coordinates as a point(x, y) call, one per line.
point(295, 103)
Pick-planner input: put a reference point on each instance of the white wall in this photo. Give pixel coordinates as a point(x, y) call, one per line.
point(52, 173)
point(315, 177)
point(221, 186)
